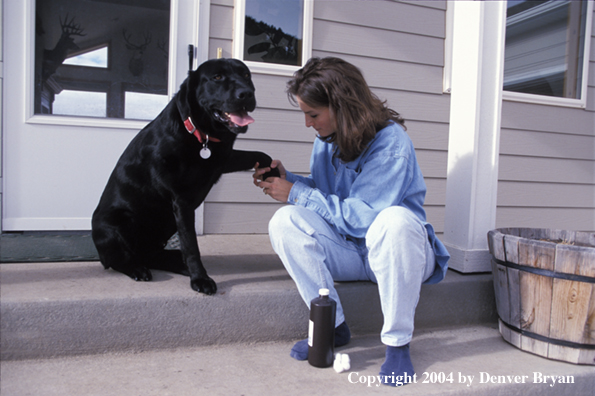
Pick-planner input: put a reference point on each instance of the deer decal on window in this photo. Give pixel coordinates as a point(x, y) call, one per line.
point(136, 64)
point(52, 59)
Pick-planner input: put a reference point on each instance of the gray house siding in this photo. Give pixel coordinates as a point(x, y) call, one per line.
point(1, 98)
point(399, 47)
point(547, 164)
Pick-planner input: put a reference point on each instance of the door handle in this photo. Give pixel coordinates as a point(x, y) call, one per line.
point(190, 57)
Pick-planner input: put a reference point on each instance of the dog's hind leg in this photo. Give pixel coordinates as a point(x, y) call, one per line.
point(123, 261)
point(168, 260)
point(117, 253)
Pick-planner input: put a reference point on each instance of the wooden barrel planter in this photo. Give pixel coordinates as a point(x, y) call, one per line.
point(544, 281)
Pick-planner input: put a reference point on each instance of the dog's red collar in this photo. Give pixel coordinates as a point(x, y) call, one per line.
point(202, 137)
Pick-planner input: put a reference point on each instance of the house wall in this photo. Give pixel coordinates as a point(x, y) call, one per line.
point(1, 98)
point(547, 164)
point(547, 153)
point(399, 46)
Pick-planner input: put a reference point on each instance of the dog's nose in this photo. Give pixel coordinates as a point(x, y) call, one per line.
point(244, 94)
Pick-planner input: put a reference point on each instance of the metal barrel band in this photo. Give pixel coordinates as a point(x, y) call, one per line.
point(544, 272)
point(549, 340)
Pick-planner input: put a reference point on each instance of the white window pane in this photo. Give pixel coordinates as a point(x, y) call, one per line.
point(81, 103)
point(143, 106)
point(96, 58)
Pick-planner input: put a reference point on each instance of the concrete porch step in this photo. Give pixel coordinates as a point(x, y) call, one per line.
point(55, 309)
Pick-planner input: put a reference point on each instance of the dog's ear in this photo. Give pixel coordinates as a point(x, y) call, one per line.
point(186, 96)
point(182, 101)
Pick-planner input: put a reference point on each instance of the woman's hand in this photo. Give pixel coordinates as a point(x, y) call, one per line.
point(276, 187)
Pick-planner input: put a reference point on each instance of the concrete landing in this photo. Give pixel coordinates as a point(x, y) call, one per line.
point(473, 360)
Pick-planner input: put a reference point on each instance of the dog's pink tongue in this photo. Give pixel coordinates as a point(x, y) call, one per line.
point(241, 119)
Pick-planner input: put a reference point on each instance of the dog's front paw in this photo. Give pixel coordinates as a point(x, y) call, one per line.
point(274, 172)
point(204, 285)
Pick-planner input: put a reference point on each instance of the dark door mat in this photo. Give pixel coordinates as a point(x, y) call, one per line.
point(27, 247)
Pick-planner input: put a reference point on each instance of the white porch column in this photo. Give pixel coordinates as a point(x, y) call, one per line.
point(473, 147)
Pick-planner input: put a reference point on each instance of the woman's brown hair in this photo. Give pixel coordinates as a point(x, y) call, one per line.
point(340, 86)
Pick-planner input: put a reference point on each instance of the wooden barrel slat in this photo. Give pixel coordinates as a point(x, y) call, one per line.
point(511, 248)
point(501, 294)
point(535, 346)
point(537, 254)
point(535, 303)
point(496, 245)
point(514, 292)
point(576, 260)
point(544, 283)
point(585, 238)
point(570, 310)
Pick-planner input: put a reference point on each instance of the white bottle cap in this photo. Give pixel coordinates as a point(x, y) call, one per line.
point(324, 292)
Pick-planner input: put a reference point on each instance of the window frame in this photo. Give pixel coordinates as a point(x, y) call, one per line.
point(86, 121)
point(559, 101)
point(271, 68)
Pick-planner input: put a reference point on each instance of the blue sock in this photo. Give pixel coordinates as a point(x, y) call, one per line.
point(397, 369)
point(342, 337)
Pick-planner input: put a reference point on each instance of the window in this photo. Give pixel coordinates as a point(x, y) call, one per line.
point(103, 59)
point(273, 36)
point(547, 51)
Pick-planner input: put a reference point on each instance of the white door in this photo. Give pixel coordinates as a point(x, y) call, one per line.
point(81, 78)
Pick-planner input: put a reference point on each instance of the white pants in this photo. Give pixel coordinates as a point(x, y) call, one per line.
point(396, 255)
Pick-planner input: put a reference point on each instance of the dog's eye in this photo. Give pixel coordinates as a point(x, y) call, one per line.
point(217, 77)
point(247, 76)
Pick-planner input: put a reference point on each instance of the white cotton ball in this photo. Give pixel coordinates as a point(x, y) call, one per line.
point(345, 362)
point(342, 362)
point(337, 364)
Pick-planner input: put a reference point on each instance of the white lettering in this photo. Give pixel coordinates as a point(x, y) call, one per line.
point(503, 379)
point(371, 380)
point(539, 378)
point(569, 379)
point(466, 379)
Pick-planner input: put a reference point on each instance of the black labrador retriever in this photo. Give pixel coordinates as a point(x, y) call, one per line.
point(168, 169)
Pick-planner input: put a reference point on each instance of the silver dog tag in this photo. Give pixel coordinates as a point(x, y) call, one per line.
point(205, 153)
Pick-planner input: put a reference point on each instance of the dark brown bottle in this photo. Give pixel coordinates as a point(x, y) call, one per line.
point(321, 334)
